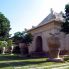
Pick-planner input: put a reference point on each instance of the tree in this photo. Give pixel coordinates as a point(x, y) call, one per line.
point(3, 44)
point(4, 27)
point(10, 44)
point(65, 24)
point(6, 44)
point(18, 37)
point(23, 39)
point(4, 31)
point(28, 38)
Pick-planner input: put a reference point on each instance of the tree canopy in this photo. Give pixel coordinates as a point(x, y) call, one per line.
point(4, 27)
point(3, 44)
point(22, 37)
point(9, 42)
point(65, 25)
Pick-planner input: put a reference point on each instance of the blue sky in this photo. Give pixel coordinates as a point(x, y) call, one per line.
point(27, 13)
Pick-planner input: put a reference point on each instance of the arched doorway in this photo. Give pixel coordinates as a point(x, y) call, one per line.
point(39, 44)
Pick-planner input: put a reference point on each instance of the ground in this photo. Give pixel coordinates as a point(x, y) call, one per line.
point(16, 62)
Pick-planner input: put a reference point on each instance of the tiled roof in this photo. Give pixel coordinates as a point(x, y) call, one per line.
point(52, 16)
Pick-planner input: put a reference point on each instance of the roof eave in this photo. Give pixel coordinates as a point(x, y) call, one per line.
point(45, 24)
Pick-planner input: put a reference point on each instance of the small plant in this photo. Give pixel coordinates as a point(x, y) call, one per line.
point(3, 44)
point(10, 44)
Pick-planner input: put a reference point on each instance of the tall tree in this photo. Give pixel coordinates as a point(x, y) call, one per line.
point(4, 27)
point(65, 24)
point(23, 39)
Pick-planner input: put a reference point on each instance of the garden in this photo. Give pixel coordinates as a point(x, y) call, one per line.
point(8, 61)
point(22, 60)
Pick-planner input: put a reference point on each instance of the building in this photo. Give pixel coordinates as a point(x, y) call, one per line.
point(50, 26)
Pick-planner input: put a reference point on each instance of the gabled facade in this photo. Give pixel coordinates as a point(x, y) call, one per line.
point(49, 26)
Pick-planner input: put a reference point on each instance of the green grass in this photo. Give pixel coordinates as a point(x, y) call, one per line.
point(14, 61)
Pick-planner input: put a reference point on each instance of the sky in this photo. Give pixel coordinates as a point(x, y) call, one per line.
point(27, 13)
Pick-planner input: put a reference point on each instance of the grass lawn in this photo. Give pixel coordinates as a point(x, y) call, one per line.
point(16, 62)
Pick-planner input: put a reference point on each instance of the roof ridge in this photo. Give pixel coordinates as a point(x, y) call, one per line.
point(51, 16)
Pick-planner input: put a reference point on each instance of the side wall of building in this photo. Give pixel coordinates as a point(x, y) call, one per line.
point(45, 32)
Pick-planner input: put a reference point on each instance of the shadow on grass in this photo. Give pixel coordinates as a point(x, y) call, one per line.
point(24, 63)
point(16, 57)
point(66, 58)
point(9, 57)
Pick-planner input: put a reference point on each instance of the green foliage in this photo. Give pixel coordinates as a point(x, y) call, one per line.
point(18, 37)
point(9, 42)
point(4, 27)
point(65, 25)
point(28, 38)
point(3, 44)
point(22, 37)
point(0, 43)
point(6, 43)
point(18, 34)
point(67, 8)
